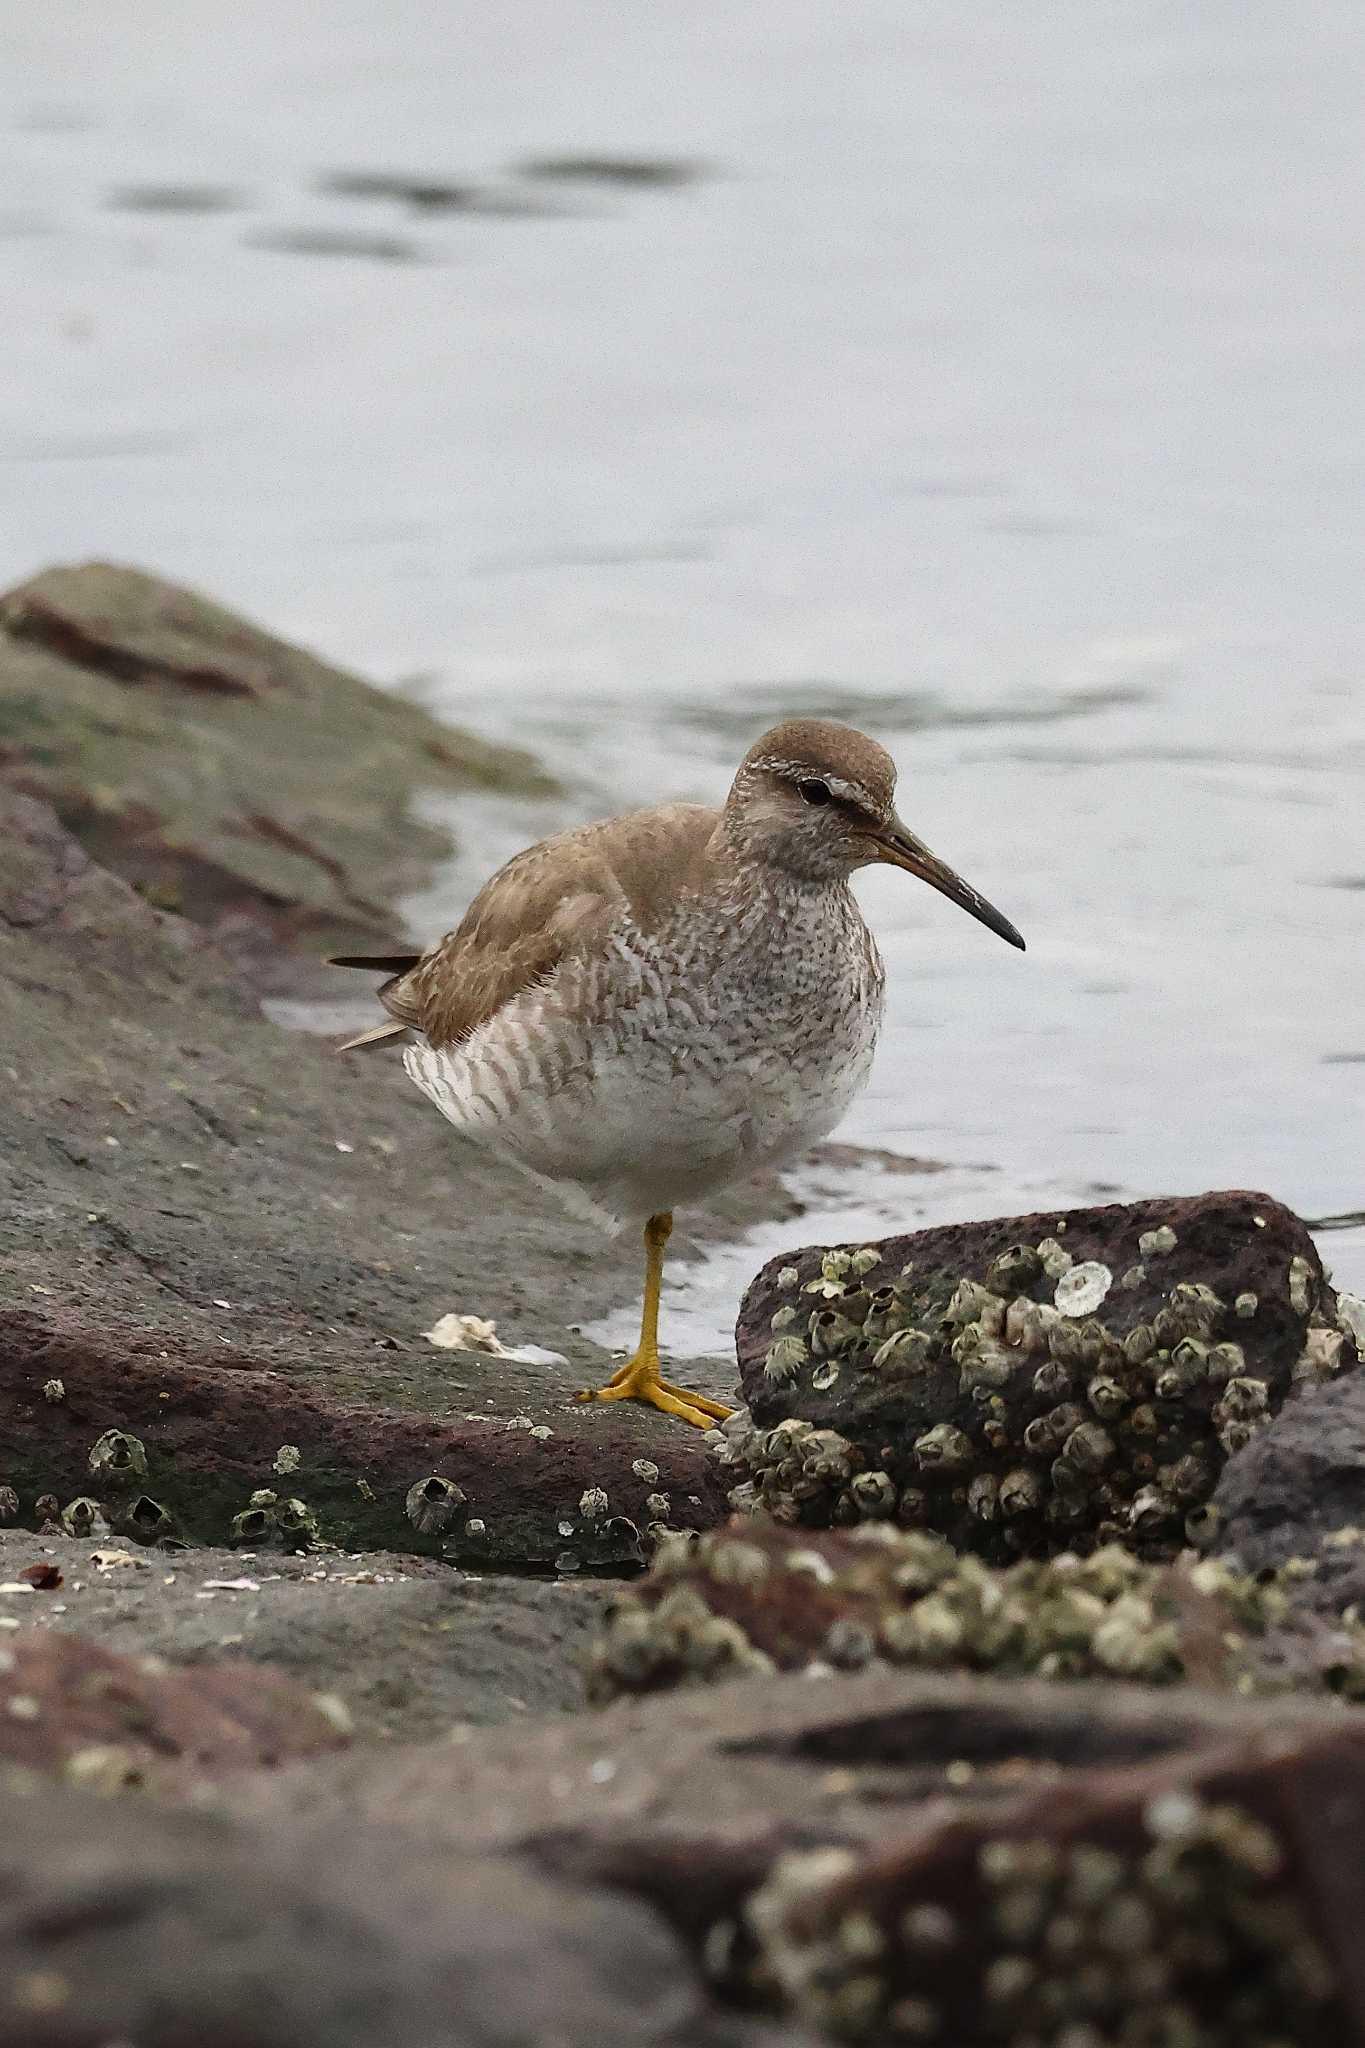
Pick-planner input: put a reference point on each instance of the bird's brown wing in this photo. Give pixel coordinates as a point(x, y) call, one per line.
point(556, 901)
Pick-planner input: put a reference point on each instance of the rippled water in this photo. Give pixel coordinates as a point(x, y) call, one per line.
point(992, 379)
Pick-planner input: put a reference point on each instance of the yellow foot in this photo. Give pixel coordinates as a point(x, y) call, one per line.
point(639, 1380)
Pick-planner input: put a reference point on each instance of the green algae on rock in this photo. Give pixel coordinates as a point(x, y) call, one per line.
point(1031, 1383)
point(225, 773)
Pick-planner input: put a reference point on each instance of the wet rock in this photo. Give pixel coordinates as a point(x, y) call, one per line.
point(73, 1708)
point(1299, 1491)
point(213, 1424)
point(1031, 1383)
point(411, 1646)
point(226, 774)
point(755, 1596)
point(226, 1254)
point(169, 1928)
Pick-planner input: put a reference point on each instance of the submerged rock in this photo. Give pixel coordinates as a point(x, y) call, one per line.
point(1030, 1383)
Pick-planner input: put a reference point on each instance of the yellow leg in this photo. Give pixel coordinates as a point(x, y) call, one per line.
point(639, 1378)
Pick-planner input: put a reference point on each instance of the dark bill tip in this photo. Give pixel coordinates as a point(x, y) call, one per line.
point(902, 850)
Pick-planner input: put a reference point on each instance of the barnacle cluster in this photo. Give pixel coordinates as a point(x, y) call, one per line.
point(268, 1519)
point(1005, 1411)
point(797, 1473)
point(679, 1642)
point(1179, 1924)
point(752, 1597)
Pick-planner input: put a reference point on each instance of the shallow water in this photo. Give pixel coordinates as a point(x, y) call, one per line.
point(994, 382)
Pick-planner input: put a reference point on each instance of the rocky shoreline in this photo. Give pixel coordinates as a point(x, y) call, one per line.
point(1016, 1704)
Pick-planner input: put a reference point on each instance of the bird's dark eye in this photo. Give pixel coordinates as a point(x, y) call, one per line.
point(815, 792)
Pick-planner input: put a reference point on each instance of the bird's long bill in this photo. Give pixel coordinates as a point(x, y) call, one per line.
point(901, 849)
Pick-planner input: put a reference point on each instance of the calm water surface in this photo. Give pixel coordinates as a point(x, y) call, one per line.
point(992, 378)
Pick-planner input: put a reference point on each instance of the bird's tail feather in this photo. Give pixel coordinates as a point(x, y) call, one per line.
point(378, 1036)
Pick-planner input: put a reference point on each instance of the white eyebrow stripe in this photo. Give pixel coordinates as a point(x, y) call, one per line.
point(852, 792)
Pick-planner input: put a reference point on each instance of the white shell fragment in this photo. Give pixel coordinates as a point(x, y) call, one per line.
point(1081, 1289)
point(479, 1333)
point(1156, 1243)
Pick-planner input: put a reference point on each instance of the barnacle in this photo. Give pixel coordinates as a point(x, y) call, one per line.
point(1014, 1269)
point(117, 1458)
point(84, 1517)
point(1302, 1285)
point(943, 1448)
point(147, 1519)
point(430, 1504)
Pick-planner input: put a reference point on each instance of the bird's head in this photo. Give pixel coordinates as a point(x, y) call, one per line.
point(817, 800)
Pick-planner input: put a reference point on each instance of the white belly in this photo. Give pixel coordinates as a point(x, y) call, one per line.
point(634, 1106)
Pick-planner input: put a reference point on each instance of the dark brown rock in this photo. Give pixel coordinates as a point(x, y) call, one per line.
point(778, 1841)
point(215, 1424)
point(220, 1240)
point(226, 774)
point(1198, 1900)
point(950, 1383)
point(71, 1707)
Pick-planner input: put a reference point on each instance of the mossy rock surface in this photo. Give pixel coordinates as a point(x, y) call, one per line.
point(225, 773)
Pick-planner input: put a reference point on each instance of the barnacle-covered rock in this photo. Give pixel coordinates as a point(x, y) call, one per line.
point(970, 1355)
point(757, 1590)
point(1158, 1911)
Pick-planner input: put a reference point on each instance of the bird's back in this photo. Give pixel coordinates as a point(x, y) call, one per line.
point(558, 901)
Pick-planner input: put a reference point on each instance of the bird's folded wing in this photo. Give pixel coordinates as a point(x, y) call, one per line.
point(558, 900)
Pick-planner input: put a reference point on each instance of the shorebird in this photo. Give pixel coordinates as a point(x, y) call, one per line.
point(640, 1010)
